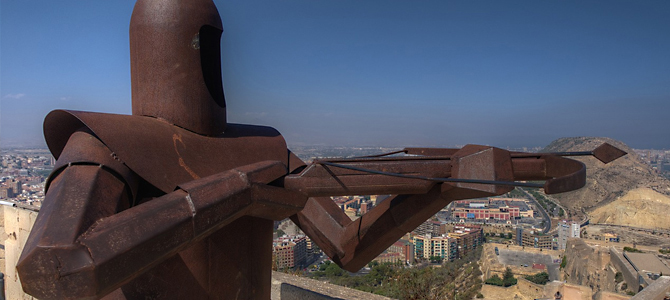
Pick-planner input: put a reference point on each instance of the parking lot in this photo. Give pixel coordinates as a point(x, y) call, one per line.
point(526, 259)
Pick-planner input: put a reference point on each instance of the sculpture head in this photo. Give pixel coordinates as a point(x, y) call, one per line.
point(175, 59)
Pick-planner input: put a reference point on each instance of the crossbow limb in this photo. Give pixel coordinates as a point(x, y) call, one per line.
point(424, 184)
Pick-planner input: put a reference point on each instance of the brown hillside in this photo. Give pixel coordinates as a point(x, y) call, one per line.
point(638, 208)
point(606, 183)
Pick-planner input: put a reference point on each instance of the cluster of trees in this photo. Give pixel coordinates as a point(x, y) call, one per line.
point(539, 278)
point(507, 280)
point(329, 270)
point(546, 203)
point(516, 193)
point(564, 262)
point(459, 279)
point(629, 249)
point(436, 259)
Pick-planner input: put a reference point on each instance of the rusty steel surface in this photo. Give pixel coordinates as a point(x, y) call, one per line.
point(182, 154)
point(173, 202)
point(175, 64)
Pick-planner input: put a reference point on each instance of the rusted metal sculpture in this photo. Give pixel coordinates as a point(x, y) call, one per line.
point(173, 202)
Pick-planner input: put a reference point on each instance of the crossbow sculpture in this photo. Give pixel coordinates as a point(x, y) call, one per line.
point(173, 202)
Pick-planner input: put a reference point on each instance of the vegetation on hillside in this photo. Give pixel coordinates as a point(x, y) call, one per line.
point(460, 279)
point(507, 280)
point(548, 205)
point(516, 193)
point(539, 278)
point(564, 262)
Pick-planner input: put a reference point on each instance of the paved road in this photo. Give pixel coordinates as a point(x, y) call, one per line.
point(545, 215)
point(519, 258)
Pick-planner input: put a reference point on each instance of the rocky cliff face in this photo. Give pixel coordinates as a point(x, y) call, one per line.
point(589, 266)
point(641, 207)
point(606, 183)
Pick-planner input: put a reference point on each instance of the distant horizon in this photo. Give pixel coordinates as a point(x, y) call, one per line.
point(430, 73)
point(36, 146)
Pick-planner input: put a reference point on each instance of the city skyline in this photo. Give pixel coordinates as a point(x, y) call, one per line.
point(373, 73)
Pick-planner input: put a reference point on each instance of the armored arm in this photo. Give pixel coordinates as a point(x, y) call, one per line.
point(87, 241)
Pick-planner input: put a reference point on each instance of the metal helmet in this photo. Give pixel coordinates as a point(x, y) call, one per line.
point(175, 62)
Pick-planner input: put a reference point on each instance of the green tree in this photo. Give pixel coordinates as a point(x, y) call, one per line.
point(333, 270)
point(508, 278)
point(629, 249)
point(426, 283)
point(564, 262)
point(494, 280)
point(380, 272)
point(539, 278)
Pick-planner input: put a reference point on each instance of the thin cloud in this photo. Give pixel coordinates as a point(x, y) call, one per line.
point(14, 96)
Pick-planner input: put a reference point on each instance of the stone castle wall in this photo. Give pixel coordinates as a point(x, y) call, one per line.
point(18, 223)
point(623, 266)
point(588, 266)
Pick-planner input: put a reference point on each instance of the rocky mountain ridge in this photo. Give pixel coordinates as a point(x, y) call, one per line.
point(606, 182)
point(642, 208)
point(624, 192)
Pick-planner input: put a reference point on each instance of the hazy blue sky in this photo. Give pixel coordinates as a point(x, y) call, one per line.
point(432, 73)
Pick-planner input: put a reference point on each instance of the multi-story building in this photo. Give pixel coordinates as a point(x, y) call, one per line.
point(428, 227)
point(6, 192)
point(492, 208)
point(563, 234)
point(16, 186)
point(468, 238)
point(427, 246)
point(390, 257)
point(535, 239)
point(313, 251)
point(566, 230)
point(290, 251)
point(518, 234)
point(405, 248)
point(575, 229)
point(452, 245)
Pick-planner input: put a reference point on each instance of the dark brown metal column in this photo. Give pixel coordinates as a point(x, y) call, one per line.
point(240, 260)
